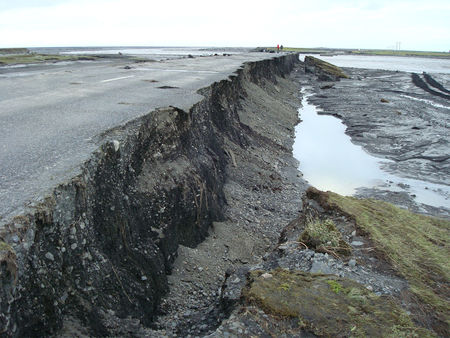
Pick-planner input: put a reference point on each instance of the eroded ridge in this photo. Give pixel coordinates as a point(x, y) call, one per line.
point(99, 249)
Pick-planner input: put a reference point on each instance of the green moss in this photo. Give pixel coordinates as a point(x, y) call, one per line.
point(417, 246)
point(329, 306)
point(323, 236)
point(5, 247)
point(284, 287)
point(335, 286)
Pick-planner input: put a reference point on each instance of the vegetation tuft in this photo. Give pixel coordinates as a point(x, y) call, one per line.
point(323, 236)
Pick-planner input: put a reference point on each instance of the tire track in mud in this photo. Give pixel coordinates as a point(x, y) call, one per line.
point(419, 82)
point(432, 82)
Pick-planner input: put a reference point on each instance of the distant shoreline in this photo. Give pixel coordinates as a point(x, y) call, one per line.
point(364, 52)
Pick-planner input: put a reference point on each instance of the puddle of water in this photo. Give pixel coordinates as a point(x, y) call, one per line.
point(330, 161)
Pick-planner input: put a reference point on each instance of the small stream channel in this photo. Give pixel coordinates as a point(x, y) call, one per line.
point(330, 161)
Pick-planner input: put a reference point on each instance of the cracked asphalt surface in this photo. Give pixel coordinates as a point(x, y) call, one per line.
point(51, 115)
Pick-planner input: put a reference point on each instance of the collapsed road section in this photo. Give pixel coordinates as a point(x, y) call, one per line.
point(99, 247)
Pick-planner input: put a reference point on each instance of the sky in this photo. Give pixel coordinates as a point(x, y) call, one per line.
point(380, 24)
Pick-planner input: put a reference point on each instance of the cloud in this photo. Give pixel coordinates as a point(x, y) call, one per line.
point(338, 23)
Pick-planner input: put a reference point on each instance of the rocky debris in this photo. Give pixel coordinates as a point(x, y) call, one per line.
point(293, 291)
point(361, 264)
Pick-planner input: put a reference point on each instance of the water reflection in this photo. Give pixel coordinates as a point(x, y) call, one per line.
point(330, 161)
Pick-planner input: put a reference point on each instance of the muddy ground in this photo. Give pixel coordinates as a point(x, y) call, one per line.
point(234, 248)
point(392, 118)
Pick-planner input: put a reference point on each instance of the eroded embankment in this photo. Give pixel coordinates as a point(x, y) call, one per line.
point(100, 247)
point(346, 267)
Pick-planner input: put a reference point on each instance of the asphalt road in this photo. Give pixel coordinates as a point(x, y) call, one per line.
point(51, 114)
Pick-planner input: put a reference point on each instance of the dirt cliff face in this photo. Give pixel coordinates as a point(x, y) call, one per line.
point(101, 245)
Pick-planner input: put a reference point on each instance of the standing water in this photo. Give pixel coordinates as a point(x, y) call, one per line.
point(330, 161)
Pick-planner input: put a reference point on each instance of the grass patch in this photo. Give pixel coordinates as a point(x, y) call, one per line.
point(5, 247)
point(323, 236)
point(330, 306)
point(40, 58)
point(417, 246)
point(335, 286)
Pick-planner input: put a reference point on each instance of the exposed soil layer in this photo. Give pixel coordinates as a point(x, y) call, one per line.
point(377, 261)
point(95, 257)
point(263, 192)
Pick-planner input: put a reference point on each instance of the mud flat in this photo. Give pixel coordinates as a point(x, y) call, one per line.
point(393, 118)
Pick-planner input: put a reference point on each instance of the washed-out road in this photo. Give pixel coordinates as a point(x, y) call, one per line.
point(51, 115)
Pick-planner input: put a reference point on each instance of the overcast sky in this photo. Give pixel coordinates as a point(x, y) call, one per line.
point(418, 25)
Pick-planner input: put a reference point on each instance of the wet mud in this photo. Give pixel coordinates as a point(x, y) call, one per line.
point(392, 118)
